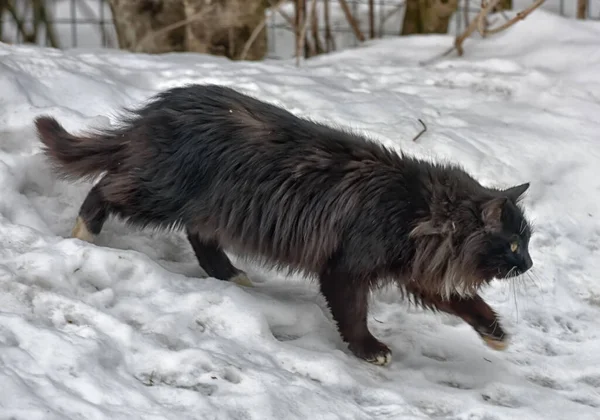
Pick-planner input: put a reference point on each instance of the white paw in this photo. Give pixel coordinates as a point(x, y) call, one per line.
point(497, 345)
point(81, 232)
point(381, 359)
point(242, 279)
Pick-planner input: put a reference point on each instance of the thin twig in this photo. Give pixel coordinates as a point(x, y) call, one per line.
point(50, 32)
point(257, 30)
point(486, 8)
point(304, 27)
point(466, 12)
point(314, 26)
point(300, 6)
point(89, 12)
point(351, 20)
point(437, 57)
point(287, 17)
point(391, 13)
point(18, 21)
point(193, 18)
point(329, 40)
point(372, 18)
point(519, 16)
point(422, 131)
point(482, 15)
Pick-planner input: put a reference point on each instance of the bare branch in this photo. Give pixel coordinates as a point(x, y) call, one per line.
point(193, 18)
point(477, 23)
point(42, 13)
point(372, 19)
point(466, 12)
point(519, 16)
point(257, 30)
point(486, 8)
point(287, 17)
point(304, 27)
point(12, 10)
point(351, 20)
point(89, 12)
point(300, 8)
point(329, 40)
point(388, 15)
point(314, 25)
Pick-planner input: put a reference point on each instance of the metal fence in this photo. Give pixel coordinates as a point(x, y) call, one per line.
point(89, 24)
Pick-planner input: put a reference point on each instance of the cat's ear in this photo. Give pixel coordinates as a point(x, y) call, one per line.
point(491, 213)
point(515, 193)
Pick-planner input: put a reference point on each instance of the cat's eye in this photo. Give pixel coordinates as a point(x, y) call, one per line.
point(514, 246)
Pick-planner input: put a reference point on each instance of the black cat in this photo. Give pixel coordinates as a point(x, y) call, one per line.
point(245, 176)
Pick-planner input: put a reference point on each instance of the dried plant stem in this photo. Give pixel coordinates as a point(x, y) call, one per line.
point(303, 30)
point(486, 8)
point(329, 40)
point(372, 19)
point(42, 13)
point(287, 17)
point(314, 25)
point(193, 18)
point(422, 131)
point(357, 32)
point(10, 7)
point(519, 16)
point(257, 30)
point(300, 7)
point(89, 12)
point(475, 24)
point(388, 15)
point(40, 16)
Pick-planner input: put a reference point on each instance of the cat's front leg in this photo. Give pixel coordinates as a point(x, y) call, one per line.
point(474, 311)
point(347, 297)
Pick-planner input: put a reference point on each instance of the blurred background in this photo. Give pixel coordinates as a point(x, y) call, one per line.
point(252, 29)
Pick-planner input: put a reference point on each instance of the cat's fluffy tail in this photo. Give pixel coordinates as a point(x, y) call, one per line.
point(79, 157)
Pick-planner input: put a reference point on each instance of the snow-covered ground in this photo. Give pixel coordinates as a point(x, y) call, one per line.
point(129, 329)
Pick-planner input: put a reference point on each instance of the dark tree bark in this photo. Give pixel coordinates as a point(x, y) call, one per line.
point(581, 9)
point(218, 27)
point(428, 16)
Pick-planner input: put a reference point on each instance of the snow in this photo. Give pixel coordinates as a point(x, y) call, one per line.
point(130, 327)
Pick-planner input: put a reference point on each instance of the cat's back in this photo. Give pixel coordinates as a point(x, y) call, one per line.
point(198, 116)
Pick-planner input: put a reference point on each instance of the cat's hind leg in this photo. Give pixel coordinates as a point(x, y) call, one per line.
point(92, 215)
point(215, 262)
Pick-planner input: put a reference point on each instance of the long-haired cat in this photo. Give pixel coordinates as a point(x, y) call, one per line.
point(241, 175)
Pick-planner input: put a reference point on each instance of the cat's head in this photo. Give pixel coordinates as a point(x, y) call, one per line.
point(499, 247)
point(476, 240)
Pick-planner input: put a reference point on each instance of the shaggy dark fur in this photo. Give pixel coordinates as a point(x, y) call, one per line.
point(242, 175)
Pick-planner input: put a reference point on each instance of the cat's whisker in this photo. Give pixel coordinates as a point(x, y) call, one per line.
point(514, 290)
point(534, 278)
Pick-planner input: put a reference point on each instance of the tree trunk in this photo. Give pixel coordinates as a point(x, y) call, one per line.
point(218, 27)
point(581, 8)
point(428, 16)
